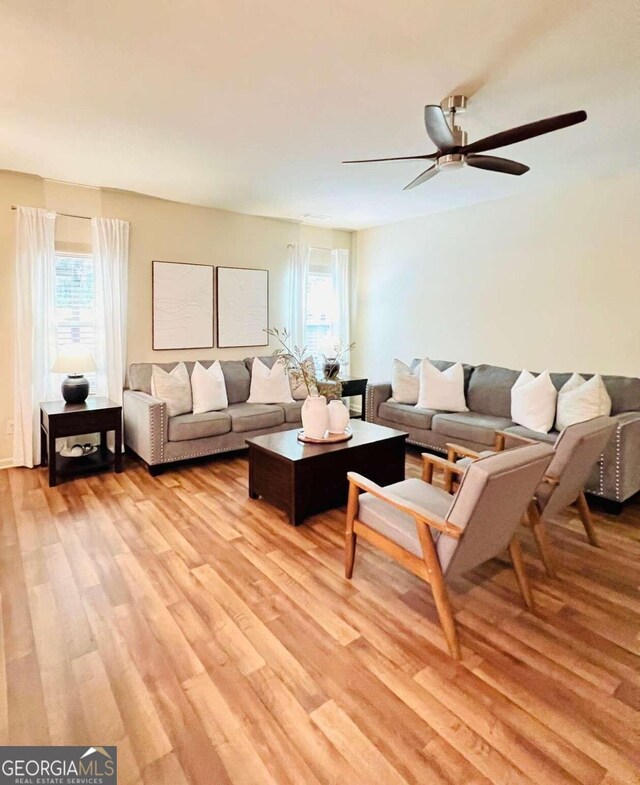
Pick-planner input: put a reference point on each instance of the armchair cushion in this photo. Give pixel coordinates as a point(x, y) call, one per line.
point(467, 461)
point(469, 426)
point(400, 527)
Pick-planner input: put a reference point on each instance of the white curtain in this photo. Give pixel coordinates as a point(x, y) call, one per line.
point(298, 272)
point(341, 293)
point(110, 245)
point(35, 344)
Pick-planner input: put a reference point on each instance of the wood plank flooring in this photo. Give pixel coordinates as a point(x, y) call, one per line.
point(215, 644)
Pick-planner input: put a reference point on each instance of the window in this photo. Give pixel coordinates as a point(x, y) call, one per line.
point(319, 293)
point(75, 304)
point(320, 301)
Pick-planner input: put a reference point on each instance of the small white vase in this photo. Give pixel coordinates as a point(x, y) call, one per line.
point(338, 416)
point(315, 416)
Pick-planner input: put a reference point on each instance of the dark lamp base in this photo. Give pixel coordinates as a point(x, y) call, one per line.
point(75, 389)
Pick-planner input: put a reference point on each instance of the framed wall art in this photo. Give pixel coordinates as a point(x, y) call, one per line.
point(182, 305)
point(242, 297)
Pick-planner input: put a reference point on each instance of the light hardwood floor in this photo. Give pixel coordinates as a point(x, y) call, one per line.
point(215, 644)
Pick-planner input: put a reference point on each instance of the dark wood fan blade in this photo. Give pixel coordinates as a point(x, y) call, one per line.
point(495, 164)
point(438, 128)
point(522, 132)
point(398, 158)
point(422, 178)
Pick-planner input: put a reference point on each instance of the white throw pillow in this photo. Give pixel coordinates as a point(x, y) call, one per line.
point(208, 388)
point(580, 400)
point(299, 391)
point(405, 382)
point(442, 390)
point(173, 388)
point(269, 385)
point(533, 401)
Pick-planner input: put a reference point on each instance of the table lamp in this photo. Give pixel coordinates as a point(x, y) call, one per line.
point(74, 359)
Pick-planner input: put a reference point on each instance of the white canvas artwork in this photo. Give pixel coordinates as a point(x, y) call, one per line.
point(182, 306)
point(243, 307)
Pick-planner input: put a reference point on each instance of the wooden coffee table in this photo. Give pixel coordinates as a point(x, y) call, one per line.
point(303, 479)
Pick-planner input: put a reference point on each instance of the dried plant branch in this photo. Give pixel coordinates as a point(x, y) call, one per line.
point(298, 363)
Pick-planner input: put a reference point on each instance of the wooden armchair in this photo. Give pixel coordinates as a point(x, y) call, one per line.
point(438, 536)
point(576, 451)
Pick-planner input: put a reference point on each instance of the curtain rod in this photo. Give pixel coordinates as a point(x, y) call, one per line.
point(64, 215)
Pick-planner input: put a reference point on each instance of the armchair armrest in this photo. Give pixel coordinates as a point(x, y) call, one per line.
point(449, 468)
point(503, 438)
point(419, 514)
point(145, 425)
point(463, 452)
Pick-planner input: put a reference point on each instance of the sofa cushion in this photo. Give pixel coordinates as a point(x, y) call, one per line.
point(405, 414)
point(624, 391)
point(254, 416)
point(443, 365)
point(490, 390)
point(520, 430)
point(197, 426)
point(443, 390)
point(237, 379)
point(469, 426)
point(236, 376)
point(400, 526)
point(292, 411)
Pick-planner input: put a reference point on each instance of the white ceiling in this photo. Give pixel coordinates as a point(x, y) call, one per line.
point(250, 105)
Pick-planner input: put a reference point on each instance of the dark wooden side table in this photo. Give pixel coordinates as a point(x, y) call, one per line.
point(96, 415)
point(352, 386)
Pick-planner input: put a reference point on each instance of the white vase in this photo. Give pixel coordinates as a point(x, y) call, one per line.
point(338, 416)
point(315, 416)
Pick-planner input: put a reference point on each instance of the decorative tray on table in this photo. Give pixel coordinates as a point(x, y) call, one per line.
point(330, 438)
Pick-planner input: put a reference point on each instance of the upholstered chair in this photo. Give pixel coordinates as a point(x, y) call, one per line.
point(438, 536)
point(576, 451)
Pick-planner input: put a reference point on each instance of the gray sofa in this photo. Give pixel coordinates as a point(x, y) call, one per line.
point(159, 439)
point(488, 394)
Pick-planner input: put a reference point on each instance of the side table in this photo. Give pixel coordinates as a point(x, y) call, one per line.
point(352, 386)
point(96, 415)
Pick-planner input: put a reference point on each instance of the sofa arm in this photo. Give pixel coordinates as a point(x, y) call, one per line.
point(145, 425)
point(376, 394)
point(620, 463)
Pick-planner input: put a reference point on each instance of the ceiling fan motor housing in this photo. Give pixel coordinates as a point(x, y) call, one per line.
point(451, 161)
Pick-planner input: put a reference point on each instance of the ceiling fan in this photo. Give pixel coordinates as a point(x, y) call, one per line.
point(453, 151)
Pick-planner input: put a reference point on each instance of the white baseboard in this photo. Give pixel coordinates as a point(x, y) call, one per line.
point(6, 463)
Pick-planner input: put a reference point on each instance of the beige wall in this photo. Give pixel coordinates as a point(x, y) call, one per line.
point(545, 280)
point(159, 230)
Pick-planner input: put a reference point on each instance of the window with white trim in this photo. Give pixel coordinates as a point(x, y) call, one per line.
point(75, 304)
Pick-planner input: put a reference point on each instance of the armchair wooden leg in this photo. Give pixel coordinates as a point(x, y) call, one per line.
point(587, 520)
point(518, 566)
point(350, 536)
point(540, 535)
point(440, 594)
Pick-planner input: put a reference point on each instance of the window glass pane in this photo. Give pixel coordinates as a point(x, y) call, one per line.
point(319, 309)
point(75, 304)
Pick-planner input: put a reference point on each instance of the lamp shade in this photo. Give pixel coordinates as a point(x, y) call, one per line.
point(74, 358)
